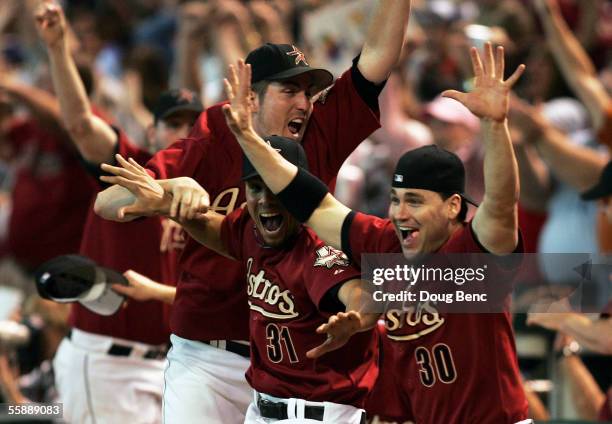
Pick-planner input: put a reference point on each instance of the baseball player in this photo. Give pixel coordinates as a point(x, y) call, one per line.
point(110, 368)
point(295, 285)
point(207, 362)
point(440, 358)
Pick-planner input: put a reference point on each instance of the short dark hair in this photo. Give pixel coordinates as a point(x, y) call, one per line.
point(464, 207)
point(260, 88)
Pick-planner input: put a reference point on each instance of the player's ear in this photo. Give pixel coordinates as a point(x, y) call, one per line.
point(453, 206)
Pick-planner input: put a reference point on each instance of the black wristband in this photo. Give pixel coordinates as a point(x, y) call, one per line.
point(303, 195)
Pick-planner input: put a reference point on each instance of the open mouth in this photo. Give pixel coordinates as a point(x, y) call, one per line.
point(409, 234)
point(271, 222)
point(295, 125)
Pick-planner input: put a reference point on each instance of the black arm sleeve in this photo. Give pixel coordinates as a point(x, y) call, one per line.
point(367, 90)
point(330, 301)
point(303, 195)
point(345, 235)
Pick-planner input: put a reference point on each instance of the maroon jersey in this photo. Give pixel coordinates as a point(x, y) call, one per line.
point(456, 368)
point(208, 285)
point(285, 288)
point(50, 198)
point(121, 246)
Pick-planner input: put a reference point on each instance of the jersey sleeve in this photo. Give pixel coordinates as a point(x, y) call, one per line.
point(232, 231)
point(341, 119)
point(126, 148)
point(325, 269)
point(363, 233)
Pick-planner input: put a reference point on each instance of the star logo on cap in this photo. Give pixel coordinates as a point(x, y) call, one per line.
point(186, 95)
point(299, 56)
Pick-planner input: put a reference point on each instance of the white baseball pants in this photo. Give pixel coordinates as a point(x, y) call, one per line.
point(97, 388)
point(204, 384)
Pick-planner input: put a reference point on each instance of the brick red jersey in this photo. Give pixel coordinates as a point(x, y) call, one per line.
point(285, 288)
point(209, 284)
point(456, 368)
point(50, 198)
point(121, 246)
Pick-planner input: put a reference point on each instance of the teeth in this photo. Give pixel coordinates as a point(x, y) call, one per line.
point(268, 215)
point(297, 121)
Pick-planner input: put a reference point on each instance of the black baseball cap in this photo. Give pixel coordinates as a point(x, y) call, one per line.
point(175, 100)
point(279, 62)
point(75, 278)
point(289, 149)
point(603, 187)
point(431, 168)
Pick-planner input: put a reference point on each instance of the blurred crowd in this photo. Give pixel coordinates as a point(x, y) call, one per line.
point(128, 52)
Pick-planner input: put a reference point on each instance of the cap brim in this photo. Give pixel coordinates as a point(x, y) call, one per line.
point(596, 192)
point(469, 199)
point(321, 78)
point(102, 299)
point(180, 108)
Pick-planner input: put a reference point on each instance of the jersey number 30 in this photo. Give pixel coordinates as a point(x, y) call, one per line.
point(279, 337)
point(436, 364)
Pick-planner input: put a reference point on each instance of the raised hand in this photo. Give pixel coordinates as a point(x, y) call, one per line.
point(490, 96)
point(339, 329)
point(238, 90)
point(130, 175)
point(51, 23)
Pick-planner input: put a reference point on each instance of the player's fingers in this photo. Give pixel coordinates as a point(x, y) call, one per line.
point(229, 92)
point(515, 76)
point(123, 182)
point(193, 207)
point(499, 62)
point(233, 77)
point(137, 166)
point(247, 78)
point(319, 350)
point(185, 204)
point(176, 199)
point(121, 289)
point(454, 94)
point(489, 62)
point(117, 170)
point(476, 62)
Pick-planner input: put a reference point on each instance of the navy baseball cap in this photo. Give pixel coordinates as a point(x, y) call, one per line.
point(279, 62)
point(431, 168)
point(603, 187)
point(176, 100)
point(289, 149)
point(75, 278)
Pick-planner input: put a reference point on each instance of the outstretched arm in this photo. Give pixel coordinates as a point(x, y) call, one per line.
point(384, 40)
point(275, 171)
point(496, 221)
point(342, 326)
point(179, 198)
point(93, 137)
point(574, 62)
point(143, 289)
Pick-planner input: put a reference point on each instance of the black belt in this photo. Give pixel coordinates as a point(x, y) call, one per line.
point(237, 348)
point(278, 410)
point(123, 350)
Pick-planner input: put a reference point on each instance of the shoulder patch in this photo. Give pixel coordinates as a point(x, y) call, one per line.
point(327, 257)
